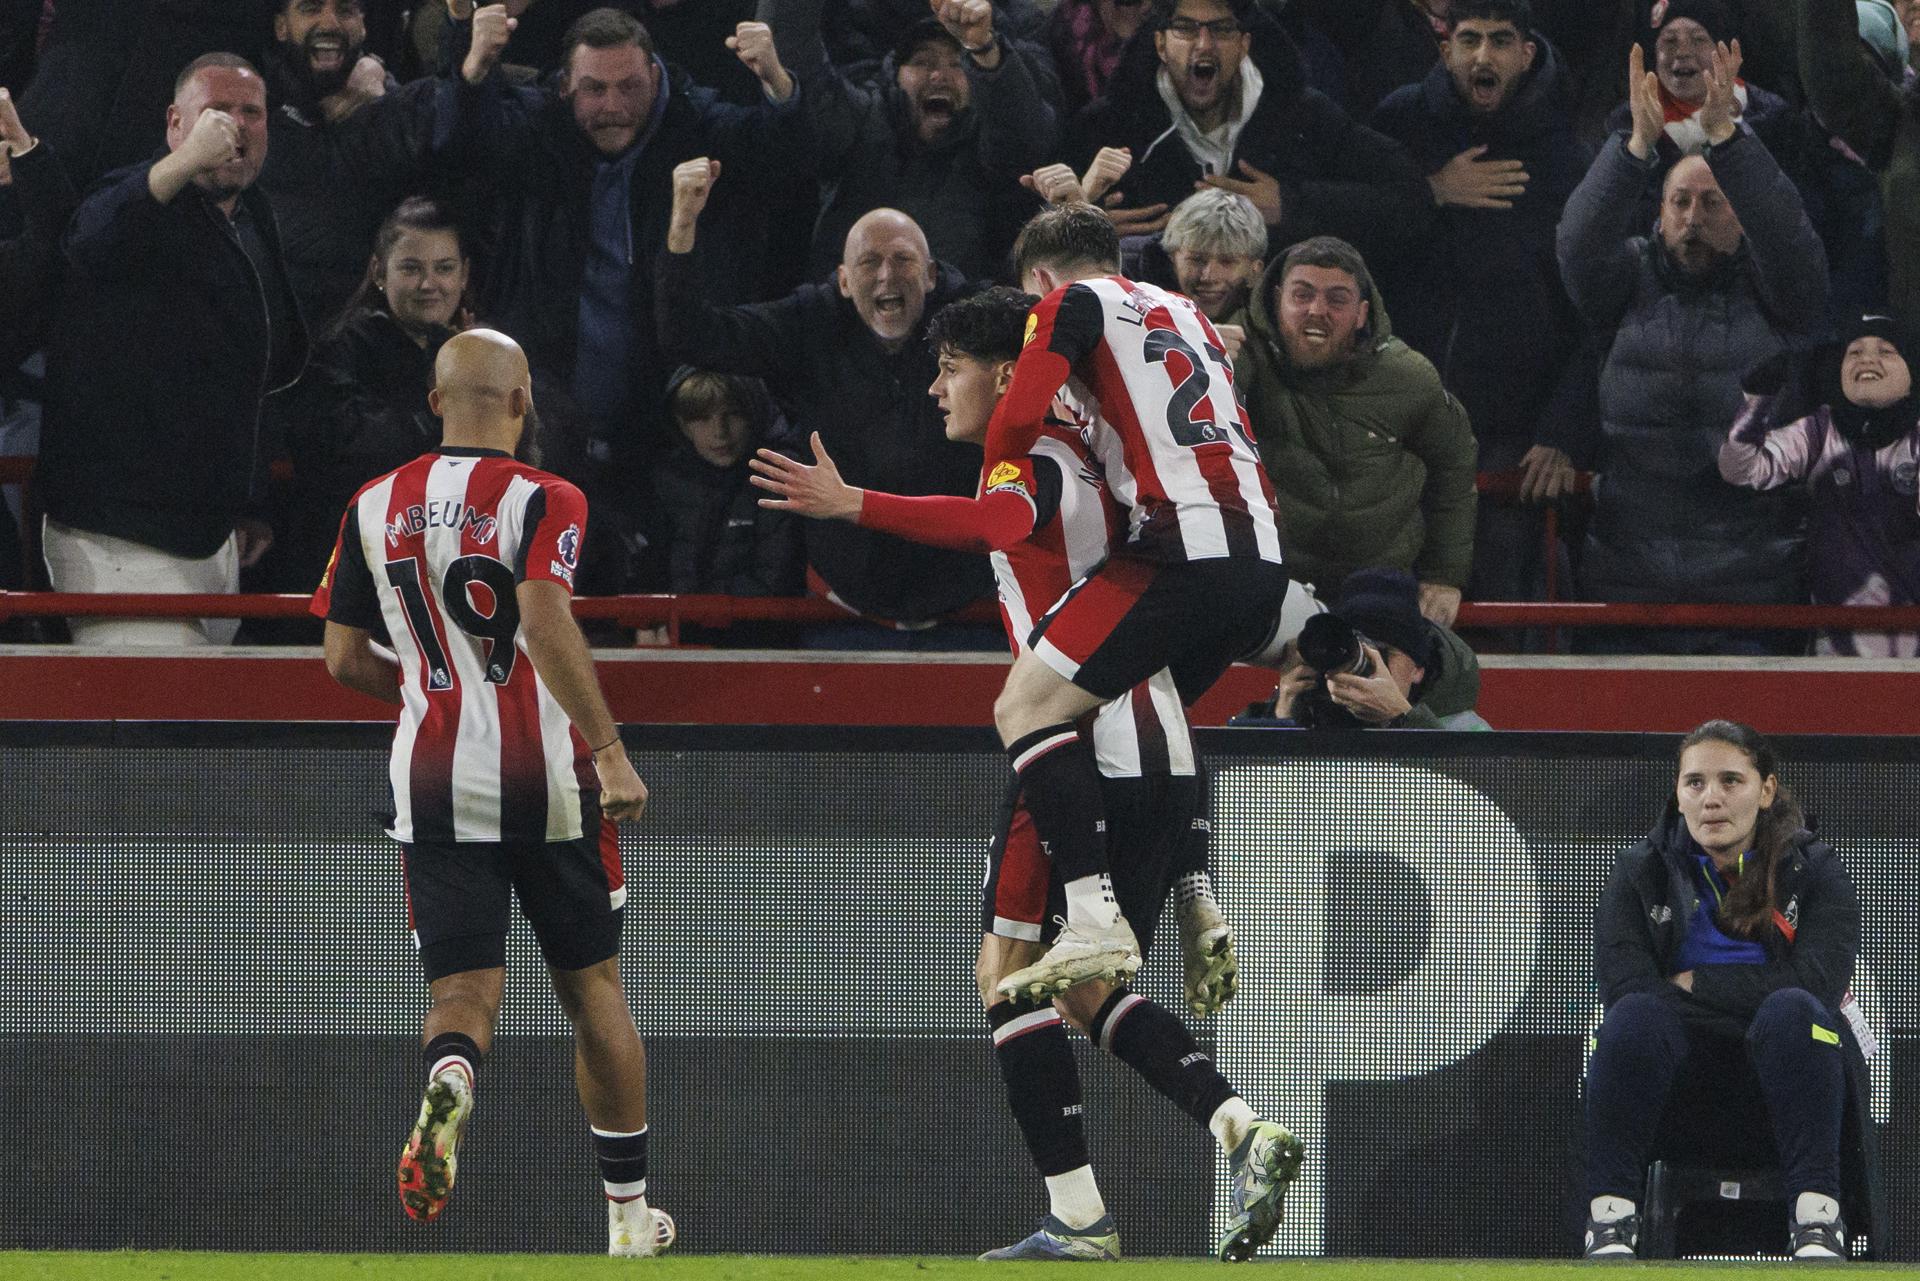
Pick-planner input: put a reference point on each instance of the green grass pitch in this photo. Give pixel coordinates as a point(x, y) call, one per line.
point(141, 1266)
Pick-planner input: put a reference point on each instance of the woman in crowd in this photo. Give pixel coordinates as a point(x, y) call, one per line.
point(1858, 452)
point(361, 409)
point(1722, 947)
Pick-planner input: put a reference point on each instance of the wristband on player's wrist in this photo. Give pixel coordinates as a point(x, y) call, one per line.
point(612, 742)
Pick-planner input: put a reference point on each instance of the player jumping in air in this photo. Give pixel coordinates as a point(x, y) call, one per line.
point(1046, 520)
point(1194, 584)
point(508, 771)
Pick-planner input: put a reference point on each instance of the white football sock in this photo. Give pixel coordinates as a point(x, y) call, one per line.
point(1230, 1122)
point(1194, 887)
point(1075, 1197)
point(1610, 1209)
point(1090, 902)
point(1813, 1207)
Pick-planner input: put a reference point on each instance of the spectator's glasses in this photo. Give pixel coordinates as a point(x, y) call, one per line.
point(1222, 30)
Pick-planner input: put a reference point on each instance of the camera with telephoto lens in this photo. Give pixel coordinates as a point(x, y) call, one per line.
point(1330, 646)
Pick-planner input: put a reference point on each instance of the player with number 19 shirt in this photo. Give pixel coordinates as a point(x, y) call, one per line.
point(465, 561)
point(432, 555)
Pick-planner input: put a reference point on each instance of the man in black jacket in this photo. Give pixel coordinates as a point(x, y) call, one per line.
point(1213, 92)
point(1492, 128)
point(859, 33)
point(943, 136)
point(579, 197)
point(346, 144)
point(850, 361)
point(36, 199)
point(35, 202)
point(176, 318)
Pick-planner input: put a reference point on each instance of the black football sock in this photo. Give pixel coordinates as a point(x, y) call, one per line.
point(623, 1162)
point(1191, 859)
point(1043, 1085)
point(1158, 1046)
point(1061, 786)
point(451, 1048)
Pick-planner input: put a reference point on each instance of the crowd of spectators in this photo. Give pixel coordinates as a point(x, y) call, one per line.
point(1667, 242)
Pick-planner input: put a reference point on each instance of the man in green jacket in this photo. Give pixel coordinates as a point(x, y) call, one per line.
point(1372, 460)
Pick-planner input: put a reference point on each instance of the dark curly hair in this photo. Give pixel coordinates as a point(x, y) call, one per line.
point(990, 325)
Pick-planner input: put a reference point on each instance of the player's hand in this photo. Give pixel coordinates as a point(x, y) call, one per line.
point(1142, 220)
point(692, 186)
point(815, 491)
point(492, 28)
point(213, 141)
point(1439, 603)
point(1055, 184)
point(252, 539)
point(1683, 980)
point(1261, 188)
point(1110, 165)
point(623, 797)
point(752, 43)
point(1375, 699)
point(1545, 474)
point(1468, 182)
point(1643, 96)
point(1233, 338)
point(1720, 113)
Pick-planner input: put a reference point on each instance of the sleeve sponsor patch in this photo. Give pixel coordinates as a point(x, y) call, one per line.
point(1009, 478)
point(1033, 327)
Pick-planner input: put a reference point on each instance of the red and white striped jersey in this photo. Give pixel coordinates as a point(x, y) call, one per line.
point(1144, 730)
point(1147, 377)
point(432, 554)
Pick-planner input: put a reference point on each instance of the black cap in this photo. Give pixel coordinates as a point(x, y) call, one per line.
point(922, 32)
point(1715, 15)
point(1384, 606)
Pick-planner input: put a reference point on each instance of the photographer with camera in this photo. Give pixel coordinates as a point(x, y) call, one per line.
point(1374, 662)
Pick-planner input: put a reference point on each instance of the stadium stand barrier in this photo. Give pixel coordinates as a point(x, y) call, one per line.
point(211, 976)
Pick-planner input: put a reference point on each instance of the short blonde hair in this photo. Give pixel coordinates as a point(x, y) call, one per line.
point(1216, 221)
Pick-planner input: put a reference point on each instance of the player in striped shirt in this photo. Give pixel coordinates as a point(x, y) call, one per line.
point(508, 771)
point(1195, 584)
point(1046, 521)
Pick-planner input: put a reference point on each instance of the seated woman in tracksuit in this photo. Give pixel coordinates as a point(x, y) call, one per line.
point(1722, 947)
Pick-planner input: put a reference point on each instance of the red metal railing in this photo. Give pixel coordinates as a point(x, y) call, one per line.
point(722, 611)
point(675, 612)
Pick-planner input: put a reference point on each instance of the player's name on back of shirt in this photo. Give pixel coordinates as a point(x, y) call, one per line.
point(442, 513)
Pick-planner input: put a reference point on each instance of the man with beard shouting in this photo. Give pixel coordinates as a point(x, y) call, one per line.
point(347, 143)
point(1731, 274)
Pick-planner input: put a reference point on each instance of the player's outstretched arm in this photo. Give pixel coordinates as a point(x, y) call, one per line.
point(356, 662)
point(817, 491)
point(992, 523)
point(561, 657)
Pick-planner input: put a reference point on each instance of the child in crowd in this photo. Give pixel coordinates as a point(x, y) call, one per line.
point(1857, 453)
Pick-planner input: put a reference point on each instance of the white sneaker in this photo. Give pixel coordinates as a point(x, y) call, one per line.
point(635, 1230)
point(1206, 949)
point(1077, 956)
